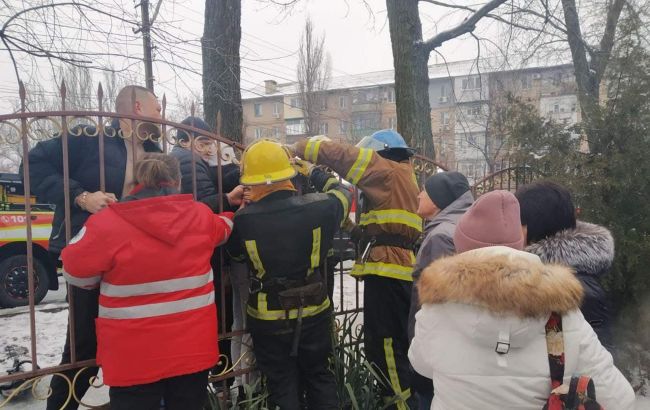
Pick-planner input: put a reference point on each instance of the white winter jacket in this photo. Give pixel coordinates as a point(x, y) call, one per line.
point(476, 299)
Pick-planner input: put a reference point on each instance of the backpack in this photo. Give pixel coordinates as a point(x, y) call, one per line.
point(581, 393)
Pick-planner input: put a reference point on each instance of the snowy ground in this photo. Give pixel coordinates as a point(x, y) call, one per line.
point(51, 321)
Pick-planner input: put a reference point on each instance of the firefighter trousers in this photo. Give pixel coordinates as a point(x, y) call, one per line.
point(309, 374)
point(386, 304)
point(186, 392)
point(85, 308)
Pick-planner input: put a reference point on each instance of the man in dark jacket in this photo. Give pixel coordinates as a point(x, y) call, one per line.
point(553, 234)
point(445, 198)
point(87, 197)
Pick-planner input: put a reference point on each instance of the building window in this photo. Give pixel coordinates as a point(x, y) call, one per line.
point(276, 132)
point(295, 127)
point(526, 82)
point(323, 128)
point(343, 127)
point(471, 83)
point(366, 96)
point(295, 102)
point(258, 110)
point(574, 107)
point(392, 123)
point(366, 121)
point(556, 108)
point(390, 95)
point(323, 103)
point(473, 110)
point(444, 120)
point(444, 93)
point(276, 110)
point(258, 133)
point(343, 102)
point(557, 79)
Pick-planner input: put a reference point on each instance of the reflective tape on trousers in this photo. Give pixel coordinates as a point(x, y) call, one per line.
point(157, 309)
point(161, 286)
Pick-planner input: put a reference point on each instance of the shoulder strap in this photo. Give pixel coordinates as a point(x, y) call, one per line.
point(555, 349)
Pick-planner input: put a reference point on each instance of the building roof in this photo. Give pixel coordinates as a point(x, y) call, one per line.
point(387, 77)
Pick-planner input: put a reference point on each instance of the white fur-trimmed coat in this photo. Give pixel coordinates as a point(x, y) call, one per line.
point(476, 299)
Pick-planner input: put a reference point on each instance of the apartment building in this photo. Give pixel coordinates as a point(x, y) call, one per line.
point(466, 99)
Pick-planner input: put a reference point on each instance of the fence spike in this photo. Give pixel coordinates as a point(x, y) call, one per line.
point(100, 96)
point(23, 95)
point(164, 105)
point(217, 126)
point(192, 108)
point(64, 92)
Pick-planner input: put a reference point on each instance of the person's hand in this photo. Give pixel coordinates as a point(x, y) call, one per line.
point(303, 167)
point(236, 196)
point(95, 202)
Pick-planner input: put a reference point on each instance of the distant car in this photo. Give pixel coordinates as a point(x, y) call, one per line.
point(14, 289)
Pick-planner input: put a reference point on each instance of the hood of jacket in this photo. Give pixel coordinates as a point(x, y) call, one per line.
point(451, 213)
point(164, 217)
point(589, 249)
point(503, 281)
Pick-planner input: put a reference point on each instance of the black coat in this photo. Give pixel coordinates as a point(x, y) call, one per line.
point(589, 249)
point(46, 174)
point(207, 188)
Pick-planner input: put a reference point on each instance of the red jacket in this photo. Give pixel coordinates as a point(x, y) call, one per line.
point(151, 259)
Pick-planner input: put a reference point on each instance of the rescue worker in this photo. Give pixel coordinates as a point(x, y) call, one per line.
point(285, 238)
point(380, 166)
point(150, 257)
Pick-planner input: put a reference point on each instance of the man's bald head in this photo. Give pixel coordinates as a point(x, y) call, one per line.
point(124, 103)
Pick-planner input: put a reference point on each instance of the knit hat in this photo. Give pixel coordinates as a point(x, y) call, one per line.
point(445, 187)
point(493, 220)
point(195, 122)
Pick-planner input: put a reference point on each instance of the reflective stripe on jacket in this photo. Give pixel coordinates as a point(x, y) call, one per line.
point(151, 260)
point(391, 191)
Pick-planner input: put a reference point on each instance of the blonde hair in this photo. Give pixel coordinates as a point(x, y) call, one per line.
point(157, 171)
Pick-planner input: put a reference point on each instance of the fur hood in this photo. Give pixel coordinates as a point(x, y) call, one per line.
point(503, 281)
point(589, 249)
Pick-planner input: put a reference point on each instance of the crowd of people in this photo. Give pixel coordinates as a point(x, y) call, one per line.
point(498, 309)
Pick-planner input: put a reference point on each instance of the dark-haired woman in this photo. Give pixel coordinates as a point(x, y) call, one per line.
point(150, 256)
point(552, 233)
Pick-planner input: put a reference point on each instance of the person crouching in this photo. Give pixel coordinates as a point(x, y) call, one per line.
point(150, 256)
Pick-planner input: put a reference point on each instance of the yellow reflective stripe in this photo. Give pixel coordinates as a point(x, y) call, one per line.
point(415, 179)
point(315, 247)
point(359, 167)
point(344, 201)
point(394, 377)
point(311, 150)
point(253, 254)
point(263, 313)
point(387, 270)
point(392, 216)
point(329, 184)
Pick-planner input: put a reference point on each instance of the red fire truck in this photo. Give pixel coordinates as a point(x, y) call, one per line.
point(14, 289)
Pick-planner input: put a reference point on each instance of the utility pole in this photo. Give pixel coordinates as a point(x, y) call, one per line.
point(146, 43)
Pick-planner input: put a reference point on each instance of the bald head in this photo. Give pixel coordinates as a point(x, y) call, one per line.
point(145, 100)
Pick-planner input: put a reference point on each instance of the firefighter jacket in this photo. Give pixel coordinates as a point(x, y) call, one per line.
point(151, 260)
point(390, 192)
point(285, 238)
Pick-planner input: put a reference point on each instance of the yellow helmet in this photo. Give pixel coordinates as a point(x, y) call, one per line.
point(265, 162)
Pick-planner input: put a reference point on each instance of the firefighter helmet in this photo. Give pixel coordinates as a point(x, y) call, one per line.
point(384, 140)
point(265, 162)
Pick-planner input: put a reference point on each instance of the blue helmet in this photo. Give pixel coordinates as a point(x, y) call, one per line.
point(384, 140)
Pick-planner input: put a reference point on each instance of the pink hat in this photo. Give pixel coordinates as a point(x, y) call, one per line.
point(493, 220)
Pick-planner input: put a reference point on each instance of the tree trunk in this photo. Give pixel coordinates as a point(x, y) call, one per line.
point(221, 71)
point(411, 75)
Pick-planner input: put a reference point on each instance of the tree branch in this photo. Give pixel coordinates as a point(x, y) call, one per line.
point(467, 26)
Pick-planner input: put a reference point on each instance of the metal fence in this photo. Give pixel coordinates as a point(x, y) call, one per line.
point(22, 130)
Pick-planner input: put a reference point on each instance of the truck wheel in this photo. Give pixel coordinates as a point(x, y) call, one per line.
point(14, 288)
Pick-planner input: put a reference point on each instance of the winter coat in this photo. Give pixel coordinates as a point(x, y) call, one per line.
point(589, 250)
point(151, 259)
point(438, 242)
point(46, 174)
point(207, 183)
point(390, 191)
point(479, 298)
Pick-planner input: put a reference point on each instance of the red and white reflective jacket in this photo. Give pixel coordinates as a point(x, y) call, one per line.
point(151, 260)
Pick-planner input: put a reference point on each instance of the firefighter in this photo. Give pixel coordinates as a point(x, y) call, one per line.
point(380, 166)
point(285, 238)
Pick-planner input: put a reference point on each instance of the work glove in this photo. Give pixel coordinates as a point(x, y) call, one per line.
point(303, 167)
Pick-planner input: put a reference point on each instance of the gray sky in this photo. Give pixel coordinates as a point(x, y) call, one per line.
point(357, 39)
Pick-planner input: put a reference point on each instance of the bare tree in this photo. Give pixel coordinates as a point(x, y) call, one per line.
point(314, 71)
point(410, 59)
point(221, 66)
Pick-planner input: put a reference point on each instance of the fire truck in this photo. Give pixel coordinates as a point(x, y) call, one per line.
point(14, 289)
